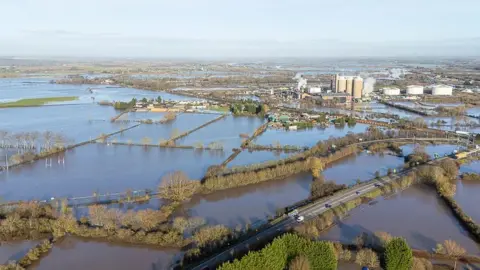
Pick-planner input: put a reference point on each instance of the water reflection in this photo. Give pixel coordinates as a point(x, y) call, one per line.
point(75, 253)
point(416, 214)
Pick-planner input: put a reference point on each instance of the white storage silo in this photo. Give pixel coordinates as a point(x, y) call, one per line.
point(391, 91)
point(442, 90)
point(414, 90)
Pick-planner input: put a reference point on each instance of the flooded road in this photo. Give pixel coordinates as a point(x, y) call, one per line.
point(416, 214)
point(79, 254)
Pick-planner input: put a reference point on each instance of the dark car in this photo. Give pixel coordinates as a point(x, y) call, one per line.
point(377, 185)
point(328, 205)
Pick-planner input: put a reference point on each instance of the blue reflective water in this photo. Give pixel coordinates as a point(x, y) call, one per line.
point(104, 168)
point(308, 137)
point(226, 131)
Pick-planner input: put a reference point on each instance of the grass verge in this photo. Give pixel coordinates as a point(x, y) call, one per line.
point(32, 102)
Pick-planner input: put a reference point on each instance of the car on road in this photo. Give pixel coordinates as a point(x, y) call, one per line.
point(377, 185)
point(299, 218)
point(328, 205)
point(357, 192)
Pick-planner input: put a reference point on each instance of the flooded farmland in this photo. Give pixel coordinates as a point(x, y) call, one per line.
point(425, 221)
point(110, 168)
point(308, 137)
point(226, 131)
point(467, 194)
point(157, 132)
point(14, 250)
point(102, 168)
point(79, 254)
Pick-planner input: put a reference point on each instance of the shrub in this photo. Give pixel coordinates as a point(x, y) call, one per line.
point(398, 255)
point(367, 257)
point(320, 255)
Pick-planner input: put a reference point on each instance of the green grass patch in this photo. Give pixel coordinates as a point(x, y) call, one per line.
point(32, 102)
point(219, 109)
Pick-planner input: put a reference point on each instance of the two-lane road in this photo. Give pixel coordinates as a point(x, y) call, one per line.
point(309, 212)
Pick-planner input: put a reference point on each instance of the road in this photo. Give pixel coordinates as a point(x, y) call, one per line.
point(309, 212)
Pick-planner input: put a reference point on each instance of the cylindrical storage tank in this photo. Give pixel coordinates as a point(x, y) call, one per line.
point(414, 90)
point(342, 85)
point(357, 87)
point(391, 91)
point(442, 90)
point(349, 85)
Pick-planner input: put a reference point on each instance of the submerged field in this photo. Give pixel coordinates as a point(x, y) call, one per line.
point(106, 167)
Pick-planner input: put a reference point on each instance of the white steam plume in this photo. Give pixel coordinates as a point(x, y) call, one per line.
point(368, 86)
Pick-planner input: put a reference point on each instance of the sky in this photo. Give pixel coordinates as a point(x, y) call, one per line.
point(229, 28)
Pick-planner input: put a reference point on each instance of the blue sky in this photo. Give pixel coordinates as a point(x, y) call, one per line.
point(196, 28)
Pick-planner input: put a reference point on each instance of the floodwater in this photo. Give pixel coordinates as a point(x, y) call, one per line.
point(225, 131)
point(417, 214)
point(79, 254)
point(76, 122)
point(251, 157)
point(156, 132)
point(102, 168)
point(307, 137)
point(12, 89)
point(467, 194)
point(362, 166)
point(249, 204)
point(431, 149)
point(14, 250)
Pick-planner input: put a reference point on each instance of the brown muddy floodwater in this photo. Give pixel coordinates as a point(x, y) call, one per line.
point(14, 250)
point(416, 214)
point(468, 192)
point(79, 254)
point(249, 204)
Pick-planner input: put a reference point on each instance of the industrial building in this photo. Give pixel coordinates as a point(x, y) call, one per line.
point(357, 87)
point(352, 85)
point(414, 90)
point(391, 91)
point(442, 90)
point(338, 97)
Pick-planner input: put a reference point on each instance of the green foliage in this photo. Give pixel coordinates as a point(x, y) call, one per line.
point(276, 255)
point(248, 107)
point(398, 255)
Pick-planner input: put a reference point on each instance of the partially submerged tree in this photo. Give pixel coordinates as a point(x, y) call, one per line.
point(452, 249)
point(177, 186)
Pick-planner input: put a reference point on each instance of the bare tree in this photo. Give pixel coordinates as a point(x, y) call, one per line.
point(453, 249)
point(3, 137)
point(299, 263)
point(146, 141)
point(47, 140)
point(177, 186)
point(59, 140)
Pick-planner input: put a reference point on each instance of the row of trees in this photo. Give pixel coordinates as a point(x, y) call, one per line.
point(248, 107)
point(45, 141)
